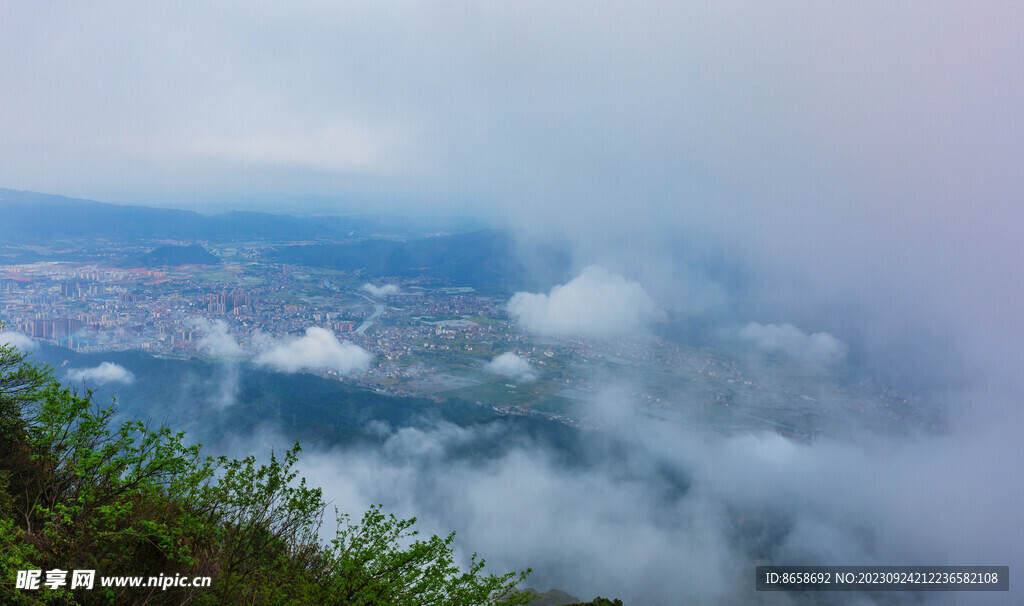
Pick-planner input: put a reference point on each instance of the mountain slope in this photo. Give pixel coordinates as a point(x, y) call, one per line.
point(172, 256)
point(483, 259)
point(34, 217)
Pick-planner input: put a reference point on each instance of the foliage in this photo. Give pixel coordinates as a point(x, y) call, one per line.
point(77, 492)
point(19, 384)
point(369, 565)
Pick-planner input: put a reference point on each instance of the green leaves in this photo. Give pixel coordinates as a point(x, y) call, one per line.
point(20, 383)
point(132, 500)
point(373, 562)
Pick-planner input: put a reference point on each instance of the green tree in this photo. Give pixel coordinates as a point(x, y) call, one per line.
point(370, 566)
point(77, 492)
point(20, 383)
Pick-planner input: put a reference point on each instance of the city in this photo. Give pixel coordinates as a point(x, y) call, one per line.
point(428, 339)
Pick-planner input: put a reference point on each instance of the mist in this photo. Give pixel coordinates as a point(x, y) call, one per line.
point(106, 372)
point(658, 513)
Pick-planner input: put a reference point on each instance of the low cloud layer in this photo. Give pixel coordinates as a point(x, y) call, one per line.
point(107, 372)
point(512, 366)
point(319, 349)
point(216, 340)
point(818, 350)
point(668, 515)
point(381, 291)
point(18, 340)
point(595, 304)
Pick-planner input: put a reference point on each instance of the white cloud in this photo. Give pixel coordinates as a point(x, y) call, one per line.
point(18, 340)
point(216, 340)
point(596, 303)
point(319, 349)
point(107, 372)
point(732, 501)
point(336, 147)
point(510, 365)
point(381, 291)
point(818, 349)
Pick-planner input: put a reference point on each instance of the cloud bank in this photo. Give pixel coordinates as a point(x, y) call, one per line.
point(217, 341)
point(381, 291)
point(820, 349)
point(18, 340)
point(512, 366)
point(107, 372)
point(661, 514)
point(319, 349)
point(595, 304)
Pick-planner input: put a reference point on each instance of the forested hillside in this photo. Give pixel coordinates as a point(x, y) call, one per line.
point(78, 492)
point(34, 217)
point(484, 259)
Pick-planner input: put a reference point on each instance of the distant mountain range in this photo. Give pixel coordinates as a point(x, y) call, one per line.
point(485, 259)
point(30, 217)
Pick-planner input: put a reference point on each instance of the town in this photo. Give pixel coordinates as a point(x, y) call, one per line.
point(428, 338)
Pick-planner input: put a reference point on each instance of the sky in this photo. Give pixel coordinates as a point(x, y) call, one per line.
point(859, 160)
point(867, 143)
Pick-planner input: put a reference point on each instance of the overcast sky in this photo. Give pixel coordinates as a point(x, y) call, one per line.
point(873, 146)
point(774, 107)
